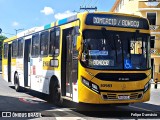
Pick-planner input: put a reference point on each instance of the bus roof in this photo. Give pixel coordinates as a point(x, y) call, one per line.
point(66, 20)
point(10, 39)
point(30, 31)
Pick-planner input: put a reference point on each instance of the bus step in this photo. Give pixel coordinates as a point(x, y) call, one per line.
point(67, 98)
point(27, 87)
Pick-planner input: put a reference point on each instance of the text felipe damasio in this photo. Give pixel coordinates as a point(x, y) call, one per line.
point(144, 114)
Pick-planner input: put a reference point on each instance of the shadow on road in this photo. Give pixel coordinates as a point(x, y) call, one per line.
point(81, 109)
point(32, 93)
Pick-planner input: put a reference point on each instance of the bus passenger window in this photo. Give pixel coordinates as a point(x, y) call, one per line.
point(5, 50)
point(35, 45)
point(20, 48)
point(54, 42)
point(51, 46)
point(44, 44)
point(57, 42)
point(14, 48)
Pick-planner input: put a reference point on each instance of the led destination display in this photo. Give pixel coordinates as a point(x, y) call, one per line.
point(116, 21)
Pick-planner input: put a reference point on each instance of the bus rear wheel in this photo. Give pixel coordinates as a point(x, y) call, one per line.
point(55, 95)
point(16, 83)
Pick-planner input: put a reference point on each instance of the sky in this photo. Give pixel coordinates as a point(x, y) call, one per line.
point(25, 14)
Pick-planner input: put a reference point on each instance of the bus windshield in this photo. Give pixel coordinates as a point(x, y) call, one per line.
point(115, 50)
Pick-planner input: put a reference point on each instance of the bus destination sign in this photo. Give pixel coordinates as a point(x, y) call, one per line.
point(116, 21)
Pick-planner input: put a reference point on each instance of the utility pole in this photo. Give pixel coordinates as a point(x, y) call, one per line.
point(88, 8)
point(18, 30)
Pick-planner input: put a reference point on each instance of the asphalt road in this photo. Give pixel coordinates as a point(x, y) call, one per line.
point(31, 104)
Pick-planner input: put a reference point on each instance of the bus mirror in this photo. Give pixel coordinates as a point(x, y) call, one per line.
point(79, 41)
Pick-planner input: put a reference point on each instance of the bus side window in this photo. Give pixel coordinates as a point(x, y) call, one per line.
point(44, 43)
point(51, 45)
point(14, 48)
point(57, 42)
point(6, 50)
point(35, 45)
point(54, 42)
point(20, 48)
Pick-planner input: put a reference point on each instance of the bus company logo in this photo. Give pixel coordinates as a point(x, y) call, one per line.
point(106, 85)
point(6, 114)
point(123, 86)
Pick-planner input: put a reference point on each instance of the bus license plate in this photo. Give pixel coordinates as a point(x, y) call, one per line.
point(123, 97)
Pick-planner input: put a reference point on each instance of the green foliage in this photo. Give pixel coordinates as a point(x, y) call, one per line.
point(1, 43)
point(2, 38)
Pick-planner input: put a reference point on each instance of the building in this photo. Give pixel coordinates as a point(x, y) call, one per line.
point(149, 9)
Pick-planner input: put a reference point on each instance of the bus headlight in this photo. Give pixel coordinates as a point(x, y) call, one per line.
point(95, 88)
point(85, 82)
point(147, 86)
point(90, 85)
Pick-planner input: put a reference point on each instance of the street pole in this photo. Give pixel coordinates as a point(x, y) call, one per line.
point(18, 30)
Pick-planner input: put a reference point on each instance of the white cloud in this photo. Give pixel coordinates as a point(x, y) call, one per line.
point(64, 15)
point(15, 24)
point(47, 10)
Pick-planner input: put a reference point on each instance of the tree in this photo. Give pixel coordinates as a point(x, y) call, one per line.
point(2, 37)
point(1, 43)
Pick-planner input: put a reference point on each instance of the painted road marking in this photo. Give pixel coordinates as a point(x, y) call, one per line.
point(31, 100)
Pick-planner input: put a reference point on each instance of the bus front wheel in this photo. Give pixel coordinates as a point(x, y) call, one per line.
point(16, 82)
point(55, 95)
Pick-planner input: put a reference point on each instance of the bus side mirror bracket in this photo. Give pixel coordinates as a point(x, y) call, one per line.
point(79, 46)
point(79, 43)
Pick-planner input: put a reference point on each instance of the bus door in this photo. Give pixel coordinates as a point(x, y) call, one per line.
point(27, 75)
point(71, 65)
point(9, 63)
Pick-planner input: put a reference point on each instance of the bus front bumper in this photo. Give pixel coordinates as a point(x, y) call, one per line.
point(88, 96)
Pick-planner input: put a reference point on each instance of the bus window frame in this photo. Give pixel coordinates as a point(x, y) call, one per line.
point(35, 35)
point(48, 38)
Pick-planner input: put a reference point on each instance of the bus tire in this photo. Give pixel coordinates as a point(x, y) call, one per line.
point(16, 83)
point(55, 94)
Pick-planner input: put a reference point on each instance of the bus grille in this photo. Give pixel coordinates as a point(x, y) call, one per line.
point(121, 76)
point(111, 96)
point(114, 96)
point(134, 96)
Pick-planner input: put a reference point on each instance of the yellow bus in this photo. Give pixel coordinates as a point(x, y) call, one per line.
point(96, 58)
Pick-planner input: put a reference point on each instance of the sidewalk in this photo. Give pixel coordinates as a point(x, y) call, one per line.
point(153, 86)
